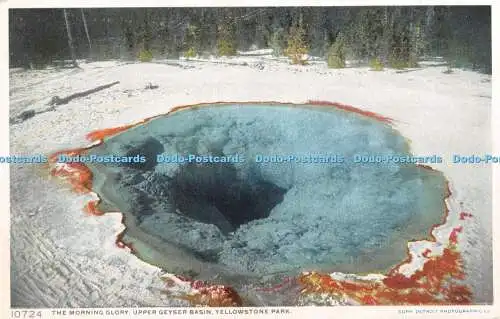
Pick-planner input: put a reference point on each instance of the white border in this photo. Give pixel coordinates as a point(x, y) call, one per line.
point(4, 169)
point(303, 312)
point(227, 3)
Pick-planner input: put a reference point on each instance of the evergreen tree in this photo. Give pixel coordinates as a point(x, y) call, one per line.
point(297, 47)
point(225, 32)
point(336, 53)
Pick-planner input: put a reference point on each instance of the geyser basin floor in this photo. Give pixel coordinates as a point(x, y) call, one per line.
point(256, 219)
point(439, 113)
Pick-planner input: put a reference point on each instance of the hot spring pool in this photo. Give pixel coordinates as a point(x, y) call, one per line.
point(246, 217)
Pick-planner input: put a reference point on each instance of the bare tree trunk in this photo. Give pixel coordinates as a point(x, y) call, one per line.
point(86, 29)
point(70, 39)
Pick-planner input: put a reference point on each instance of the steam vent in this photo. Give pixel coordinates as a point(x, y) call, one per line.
point(253, 221)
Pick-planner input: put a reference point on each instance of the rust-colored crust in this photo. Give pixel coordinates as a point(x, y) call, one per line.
point(434, 284)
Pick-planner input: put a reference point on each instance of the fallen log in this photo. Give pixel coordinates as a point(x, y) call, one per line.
point(56, 100)
point(29, 114)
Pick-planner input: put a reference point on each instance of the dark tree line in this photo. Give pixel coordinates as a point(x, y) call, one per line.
point(395, 34)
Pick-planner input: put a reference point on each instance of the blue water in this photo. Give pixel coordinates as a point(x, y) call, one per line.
point(274, 217)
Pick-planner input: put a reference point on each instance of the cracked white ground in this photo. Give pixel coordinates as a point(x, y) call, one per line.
point(61, 257)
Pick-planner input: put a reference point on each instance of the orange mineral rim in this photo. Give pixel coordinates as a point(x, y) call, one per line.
point(431, 274)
